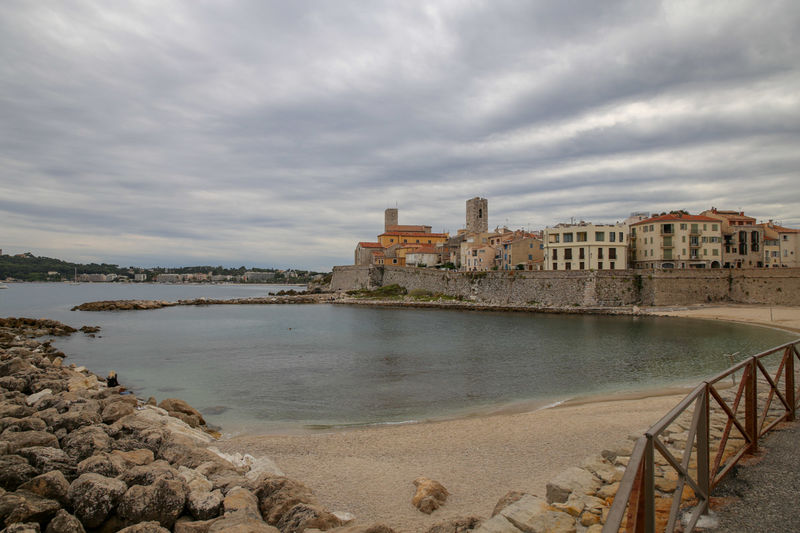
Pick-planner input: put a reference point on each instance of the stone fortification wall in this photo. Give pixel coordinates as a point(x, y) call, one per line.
point(587, 288)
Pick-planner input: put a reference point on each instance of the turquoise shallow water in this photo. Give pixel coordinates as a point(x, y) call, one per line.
point(279, 367)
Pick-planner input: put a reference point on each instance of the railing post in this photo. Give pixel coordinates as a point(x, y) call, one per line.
point(751, 405)
point(788, 356)
point(648, 484)
point(703, 451)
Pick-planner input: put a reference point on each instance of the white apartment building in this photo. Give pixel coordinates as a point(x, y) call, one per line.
point(586, 246)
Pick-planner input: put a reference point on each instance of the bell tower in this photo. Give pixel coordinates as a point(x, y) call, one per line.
point(478, 215)
point(389, 218)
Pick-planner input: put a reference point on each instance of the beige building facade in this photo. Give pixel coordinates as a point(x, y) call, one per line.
point(742, 239)
point(677, 240)
point(586, 246)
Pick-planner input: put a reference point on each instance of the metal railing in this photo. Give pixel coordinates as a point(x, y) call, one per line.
point(709, 453)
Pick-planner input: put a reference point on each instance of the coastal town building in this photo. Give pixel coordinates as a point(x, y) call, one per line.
point(477, 215)
point(676, 240)
point(781, 246)
point(742, 239)
point(586, 246)
point(522, 251)
point(255, 277)
point(396, 242)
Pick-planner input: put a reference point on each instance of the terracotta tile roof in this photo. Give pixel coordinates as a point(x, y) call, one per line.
point(414, 229)
point(370, 245)
point(676, 217)
point(412, 234)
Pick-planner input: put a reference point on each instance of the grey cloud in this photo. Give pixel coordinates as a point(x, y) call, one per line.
point(197, 122)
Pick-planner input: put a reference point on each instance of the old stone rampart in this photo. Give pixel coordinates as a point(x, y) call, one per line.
point(586, 288)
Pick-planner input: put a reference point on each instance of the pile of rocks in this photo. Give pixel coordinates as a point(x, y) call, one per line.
point(77, 455)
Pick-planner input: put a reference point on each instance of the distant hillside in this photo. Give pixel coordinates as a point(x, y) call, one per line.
point(28, 267)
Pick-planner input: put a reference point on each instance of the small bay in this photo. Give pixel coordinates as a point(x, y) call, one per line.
point(266, 368)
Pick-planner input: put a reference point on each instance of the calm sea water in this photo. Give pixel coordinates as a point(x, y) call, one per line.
point(279, 367)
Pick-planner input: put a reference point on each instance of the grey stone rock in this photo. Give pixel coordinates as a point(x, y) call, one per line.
point(52, 485)
point(85, 442)
point(532, 515)
point(147, 474)
point(29, 423)
point(63, 522)
point(277, 495)
point(241, 524)
point(571, 480)
point(14, 471)
point(116, 410)
point(26, 439)
point(303, 516)
point(30, 507)
point(204, 505)
point(93, 497)
point(184, 525)
point(46, 459)
point(163, 502)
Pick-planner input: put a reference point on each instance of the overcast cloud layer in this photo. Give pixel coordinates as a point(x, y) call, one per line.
point(276, 133)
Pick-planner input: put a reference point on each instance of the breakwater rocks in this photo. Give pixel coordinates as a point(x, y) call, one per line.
point(135, 305)
point(77, 455)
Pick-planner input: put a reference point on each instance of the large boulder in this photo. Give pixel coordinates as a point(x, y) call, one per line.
point(93, 497)
point(79, 415)
point(571, 480)
point(149, 473)
point(182, 410)
point(163, 502)
point(303, 516)
point(52, 485)
point(23, 528)
point(46, 459)
point(456, 525)
point(25, 439)
point(204, 505)
point(86, 441)
point(63, 522)
point(429, 496)
point(14, 471)
point(28, 423)
point(277, 495)
point(180, 450)
point(117, 410)
point(28, 507)
point(533, 514)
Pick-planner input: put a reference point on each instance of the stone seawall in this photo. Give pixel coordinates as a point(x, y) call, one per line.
point(586, 288)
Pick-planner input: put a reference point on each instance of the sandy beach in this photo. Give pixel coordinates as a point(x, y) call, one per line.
point(369, 472)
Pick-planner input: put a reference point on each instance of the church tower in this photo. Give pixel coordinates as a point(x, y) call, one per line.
point(478, 215)
point(389, 218)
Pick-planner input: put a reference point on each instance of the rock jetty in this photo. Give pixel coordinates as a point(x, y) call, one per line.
point(136, 305)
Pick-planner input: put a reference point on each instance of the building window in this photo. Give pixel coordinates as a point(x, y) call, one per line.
point(581, 254)
point(683, 226)
point(568, 237)
point(715, 252)
point(621, 237)
point(568, 266)
point(599, 253)
point(530, 257)
point(611, 265)
point(652, 227)
point(667, 229)
point(581, 266)
point(612, 253)
point(613, 235)
point(713, 227)
point(555, 266)
point(600, 265)
point(581, 236)
point(601, 236)
point(555, 253)
point(568, 253)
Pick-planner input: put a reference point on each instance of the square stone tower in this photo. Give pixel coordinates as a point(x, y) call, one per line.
point(389, 218)
point(478, 215)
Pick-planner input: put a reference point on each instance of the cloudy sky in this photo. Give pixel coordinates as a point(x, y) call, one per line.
point(272, 133)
